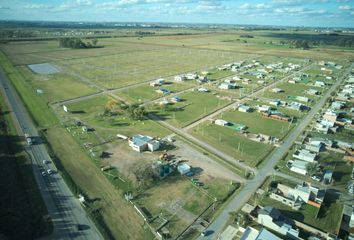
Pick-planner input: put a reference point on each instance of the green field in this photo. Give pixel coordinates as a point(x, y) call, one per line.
point(193, 106)
point(232, 143)
point(146, 93)
point(257, 124)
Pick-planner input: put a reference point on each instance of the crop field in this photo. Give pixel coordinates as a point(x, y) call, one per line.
point(193, 106)
point(232, 143)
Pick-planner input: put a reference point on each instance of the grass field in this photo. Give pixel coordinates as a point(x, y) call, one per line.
point(145, 93)
point(193, 106)
point(232, 143)
point(22, 210)
point(257, 124)
point(37, 105)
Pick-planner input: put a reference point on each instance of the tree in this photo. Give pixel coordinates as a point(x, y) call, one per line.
point(145, 174)
point(94, 41)
point(136, 112)
point(311, 168)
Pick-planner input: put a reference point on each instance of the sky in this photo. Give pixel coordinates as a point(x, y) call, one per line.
point(317, 13)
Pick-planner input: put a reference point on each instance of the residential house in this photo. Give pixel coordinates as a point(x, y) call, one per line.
point(298, 166)
point(312, 91)
point(328, 177)
point(264, 108)
point(319, 84)
point(236, 78)
point(163, 91)
point(330, 116)
point(221, 122)
point(191, 76)
point(297, 106)
point(225, 85)
point(321, 128)
point(244, 108)
point(253, 234)
point(277, 90)
point(175, 99)
point(275, 103)
point(141, 143)
point(302, 99)
point(272, 219)
point(180, 78)
point(337, 105)
point(305, 155)
point(202, 89)
point(298, 196)
point(313, 148)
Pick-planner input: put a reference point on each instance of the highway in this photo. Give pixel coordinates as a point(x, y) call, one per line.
point(63, 207)
point(251, 186)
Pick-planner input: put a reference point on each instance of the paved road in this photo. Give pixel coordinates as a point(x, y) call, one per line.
point(63, 207)
point(252, 185)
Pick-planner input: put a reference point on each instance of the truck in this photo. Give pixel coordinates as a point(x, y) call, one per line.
point(28, 139)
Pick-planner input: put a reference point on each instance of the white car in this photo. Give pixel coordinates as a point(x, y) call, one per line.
point(316, 178)
point(50, 171)
point(44, 173)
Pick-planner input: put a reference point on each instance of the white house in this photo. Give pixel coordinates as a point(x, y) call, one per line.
point(253, 234)
point(221, 122)
point(319, 84)
point(312, 92)
point(263, 108)
point(141, 143)
point(272, 219)
point(202, 90)
point(163, 91)
point(302, 99)
point(225, 85)
point(191, 76)
point(180, 78)
point(298, 166)
point(175, 99)
point(277, 90)
point(305, 155)
point(244, 108)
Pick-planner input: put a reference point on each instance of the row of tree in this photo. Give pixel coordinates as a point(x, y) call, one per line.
point(77, 43)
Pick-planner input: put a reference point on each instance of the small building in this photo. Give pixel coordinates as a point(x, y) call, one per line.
point(175, 99)
point(157, 82)
point(191, 76)
point(328, 177)
point(183, 168)
point(337, 105)
point(236, 78)
point(312, 91)
point(302, 99)
point(163, 91)
point(180, 78)
point(319, 84)
point(225, 85)
point(277, 90)
point(298, 166)
point(141, 143)
point(313, 148)
point(275, 102)
point(202, 89)
point(272, 219)
point(164, 102)
point(244, 108)
point(221, 122)
point(297, 106)
point(321, 128)
point(305, 155)
point(264, 108)
point(253, 234)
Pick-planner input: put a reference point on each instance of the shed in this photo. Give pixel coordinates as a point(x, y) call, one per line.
point(183, 168)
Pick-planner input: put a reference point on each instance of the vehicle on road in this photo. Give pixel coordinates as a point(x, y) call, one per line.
point(28, 139)
point(46, 161)
point(44, 173)
point(50, 171)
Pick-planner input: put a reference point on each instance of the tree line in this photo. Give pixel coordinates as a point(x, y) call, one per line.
point(77, 43)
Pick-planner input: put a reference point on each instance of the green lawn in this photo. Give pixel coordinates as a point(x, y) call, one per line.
point(147, 93)
point(257, 124)
point(194, 106)
point(292, 90)
point(232, 143)
point(58, 86)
